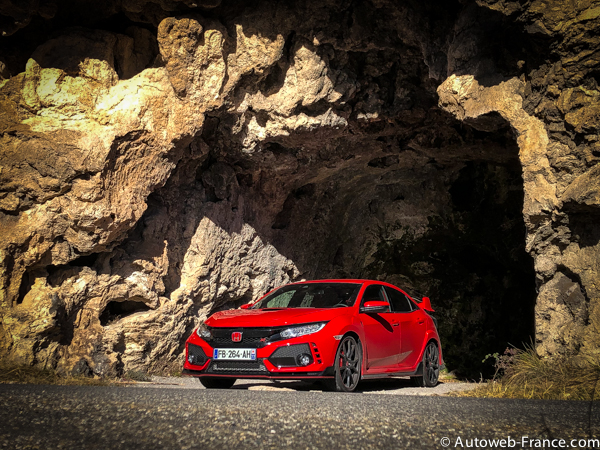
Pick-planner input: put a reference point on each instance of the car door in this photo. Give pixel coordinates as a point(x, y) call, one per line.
point(382, 333)
point(412, 325)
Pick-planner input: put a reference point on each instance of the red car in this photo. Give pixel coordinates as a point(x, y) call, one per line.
point(340, 331)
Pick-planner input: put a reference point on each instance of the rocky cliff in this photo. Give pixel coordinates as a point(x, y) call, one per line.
point(164, 159)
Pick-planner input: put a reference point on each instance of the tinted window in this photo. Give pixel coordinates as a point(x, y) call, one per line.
point(311, 295)
point(412, 304)
point(374, 292)
point(399, 301)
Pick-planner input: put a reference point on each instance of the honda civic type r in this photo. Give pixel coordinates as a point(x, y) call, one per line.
point(340, 331)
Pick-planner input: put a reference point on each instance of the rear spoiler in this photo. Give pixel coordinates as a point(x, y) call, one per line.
point(426, 304)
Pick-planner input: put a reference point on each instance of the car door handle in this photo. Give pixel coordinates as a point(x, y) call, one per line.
point(421, 322)
point(396, 324)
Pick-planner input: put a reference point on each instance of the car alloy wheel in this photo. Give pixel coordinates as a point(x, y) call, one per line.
point(347, 364)
point(431, 367)
point(217, 383)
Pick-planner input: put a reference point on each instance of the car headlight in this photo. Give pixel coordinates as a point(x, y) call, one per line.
point(302, 330)
point(203, 331)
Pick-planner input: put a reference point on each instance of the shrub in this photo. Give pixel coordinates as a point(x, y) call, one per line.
point(524, 374)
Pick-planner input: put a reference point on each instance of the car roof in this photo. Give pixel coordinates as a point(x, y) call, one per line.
point(346, 280)
point(335, 280)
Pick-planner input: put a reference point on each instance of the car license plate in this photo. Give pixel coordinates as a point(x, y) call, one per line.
point(235, 353)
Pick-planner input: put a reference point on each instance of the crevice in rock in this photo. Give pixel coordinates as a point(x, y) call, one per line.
point(583, 222)
point(85, 260)
point(383, 162)
point(575, 278)
point(117, 310)
point(27, 281)
point(282, 220)
point(57, 274)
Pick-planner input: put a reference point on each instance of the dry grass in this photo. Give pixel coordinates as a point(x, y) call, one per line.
point(31, 375)
point(448, 377)
point(136, 375)
point(527, 375)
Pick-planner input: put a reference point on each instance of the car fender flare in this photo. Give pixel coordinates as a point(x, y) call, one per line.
point(358, 333)
point(429, 337)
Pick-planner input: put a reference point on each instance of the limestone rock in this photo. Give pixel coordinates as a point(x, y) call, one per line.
point(585, 189)
point(193, 155)
point(566, 309)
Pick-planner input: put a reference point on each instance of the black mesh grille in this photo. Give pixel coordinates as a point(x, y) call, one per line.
point(232, 367)
point(196, 355)
point(251, 337)
point(286, 356)
point(246, 341)
point(290, 351)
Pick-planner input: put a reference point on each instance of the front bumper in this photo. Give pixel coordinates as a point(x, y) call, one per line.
point(327, 373)
point(279, 359)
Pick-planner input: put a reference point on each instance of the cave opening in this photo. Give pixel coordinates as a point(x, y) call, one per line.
point(467, 252)
point(471, 261)
point(434, 208)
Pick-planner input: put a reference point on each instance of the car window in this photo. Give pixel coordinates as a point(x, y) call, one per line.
point(280, 301)
point(374, 292)
point(398, 300)
point(311, 295)
point(412, 304)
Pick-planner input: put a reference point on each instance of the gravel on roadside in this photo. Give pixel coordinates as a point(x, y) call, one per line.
point(388, 386)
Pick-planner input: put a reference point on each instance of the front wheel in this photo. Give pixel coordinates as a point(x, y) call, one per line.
point(431, 367)
point(347, 365)
point(217, 383)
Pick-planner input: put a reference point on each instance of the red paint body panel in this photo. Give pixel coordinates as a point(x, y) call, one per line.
point(392, 342)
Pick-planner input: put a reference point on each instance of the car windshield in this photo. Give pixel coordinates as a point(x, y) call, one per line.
point(311, 295)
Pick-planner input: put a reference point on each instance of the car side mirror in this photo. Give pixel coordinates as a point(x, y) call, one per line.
point(374, 307)
point(246, 306)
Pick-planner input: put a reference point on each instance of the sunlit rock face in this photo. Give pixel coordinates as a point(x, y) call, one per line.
point(164, 160)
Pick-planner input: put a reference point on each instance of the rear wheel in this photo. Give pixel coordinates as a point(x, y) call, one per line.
point(347, 365)
point(217, 383)
point(431, 367)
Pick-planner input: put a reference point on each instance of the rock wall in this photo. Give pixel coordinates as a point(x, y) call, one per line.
point(163, 160)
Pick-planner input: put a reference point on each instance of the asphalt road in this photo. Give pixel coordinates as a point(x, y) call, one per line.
point(386, 386)
point(84, 417)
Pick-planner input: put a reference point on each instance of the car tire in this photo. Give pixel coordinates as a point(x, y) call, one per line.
point(431, 367)
point(347, 365)
point(217, 383)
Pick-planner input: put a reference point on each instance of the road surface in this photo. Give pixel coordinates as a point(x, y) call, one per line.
point(113, 417)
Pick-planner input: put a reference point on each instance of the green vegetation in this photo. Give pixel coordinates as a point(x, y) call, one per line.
point(448, 377)
point(524, 374)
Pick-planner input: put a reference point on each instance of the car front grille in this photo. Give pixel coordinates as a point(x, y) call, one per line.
point(251, 337)
point(251, 341)
point(237, 367)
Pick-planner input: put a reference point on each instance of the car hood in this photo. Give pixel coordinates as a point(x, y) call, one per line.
point(273, 317)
